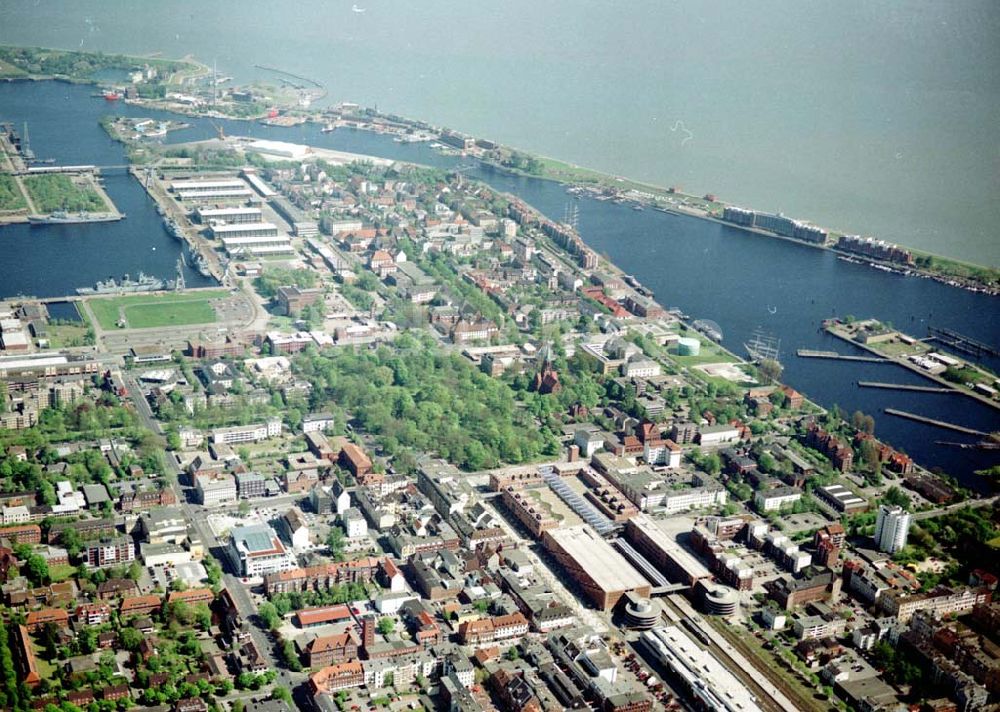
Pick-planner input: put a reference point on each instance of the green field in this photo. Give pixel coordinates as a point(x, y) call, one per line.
point(61, 572)
point(63, 336)
point(898, 348)
point(9, 71)
point(10, 194)
point(57, 192)
point(710, 352)
point(143, 311)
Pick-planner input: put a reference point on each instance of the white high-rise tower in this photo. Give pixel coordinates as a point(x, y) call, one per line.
point(891, 528)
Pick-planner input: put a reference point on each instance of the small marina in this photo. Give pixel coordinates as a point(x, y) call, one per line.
point(833, 355)
point(953, 374)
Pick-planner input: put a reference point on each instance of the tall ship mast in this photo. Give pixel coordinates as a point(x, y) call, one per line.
point(763, 346)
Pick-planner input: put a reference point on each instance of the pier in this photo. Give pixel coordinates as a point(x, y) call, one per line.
point(910, 366)
point(155, 189)
point(961, 343)
point(982, 445)
point(315, 83)
point(905, 387)
point(931, 421)
point(83, 298)
point(809, 353)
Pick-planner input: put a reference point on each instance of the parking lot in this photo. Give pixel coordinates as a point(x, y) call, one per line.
point(808, 521)
point(192, 573)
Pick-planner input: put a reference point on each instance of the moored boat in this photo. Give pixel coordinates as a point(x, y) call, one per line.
point(144, 283)
point(61, 217)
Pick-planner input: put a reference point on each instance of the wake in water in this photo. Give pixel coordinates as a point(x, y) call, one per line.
point(679, 125)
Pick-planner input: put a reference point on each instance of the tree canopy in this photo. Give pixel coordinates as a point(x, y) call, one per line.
point(412, 395)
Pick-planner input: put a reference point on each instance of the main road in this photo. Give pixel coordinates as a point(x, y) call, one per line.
point(965, 504)
point(197, 515)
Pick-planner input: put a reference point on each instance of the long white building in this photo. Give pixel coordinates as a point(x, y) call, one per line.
point(258, 244)
point(199, 185)
point(707, 679)
point(220, 194)
point(230, 216)
point(244, 229)
point(247, 433)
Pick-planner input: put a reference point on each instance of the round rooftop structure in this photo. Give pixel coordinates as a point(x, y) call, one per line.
point(642, 613)
point(688, 346)
point(721, 601)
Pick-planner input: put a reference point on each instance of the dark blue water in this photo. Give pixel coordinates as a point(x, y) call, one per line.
point(870, 116)
point(54, 260)
point(708, 270)
point(64, 311)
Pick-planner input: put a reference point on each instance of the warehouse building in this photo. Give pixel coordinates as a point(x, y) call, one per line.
point(663, 551)
point(260, 245)
point(230, 216)
point(280, 149)
point(302, 224)
point(244, 229)
point(842, 499)
point(603, 574)
point(216, 194)
point(200, 185)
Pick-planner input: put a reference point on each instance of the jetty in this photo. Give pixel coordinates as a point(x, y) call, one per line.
point(981, 445)
point(282, 72)
point(842, 333)
point(932, 421)
point(906, 387)
point(809, 353)
point(962, 343)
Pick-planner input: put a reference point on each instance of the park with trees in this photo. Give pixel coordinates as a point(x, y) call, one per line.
point(411, 395)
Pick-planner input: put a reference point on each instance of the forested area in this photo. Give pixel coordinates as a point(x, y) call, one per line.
point(76, 65)
point(75, 422)
point(50, 193)
point(414, 397)
point(273, 277)
point(10, 194)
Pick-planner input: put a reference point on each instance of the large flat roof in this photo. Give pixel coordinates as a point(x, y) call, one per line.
point(709, 679)
point(208, 184)
point(242, 210)
point(215, 193)
point(238, 227)
point(605, 566)
point(254, 239)
point(668, 544)
point(32, 361)
point(282, 249)
point(257, 539)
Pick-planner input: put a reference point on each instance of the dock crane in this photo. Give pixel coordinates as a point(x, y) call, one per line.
point(219, 130)
point(460, 170)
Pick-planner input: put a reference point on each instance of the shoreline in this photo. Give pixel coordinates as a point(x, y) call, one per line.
point(597, 179)
point(731, 356)
point(833, 328)
point(888, 267)
point(654, 201)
